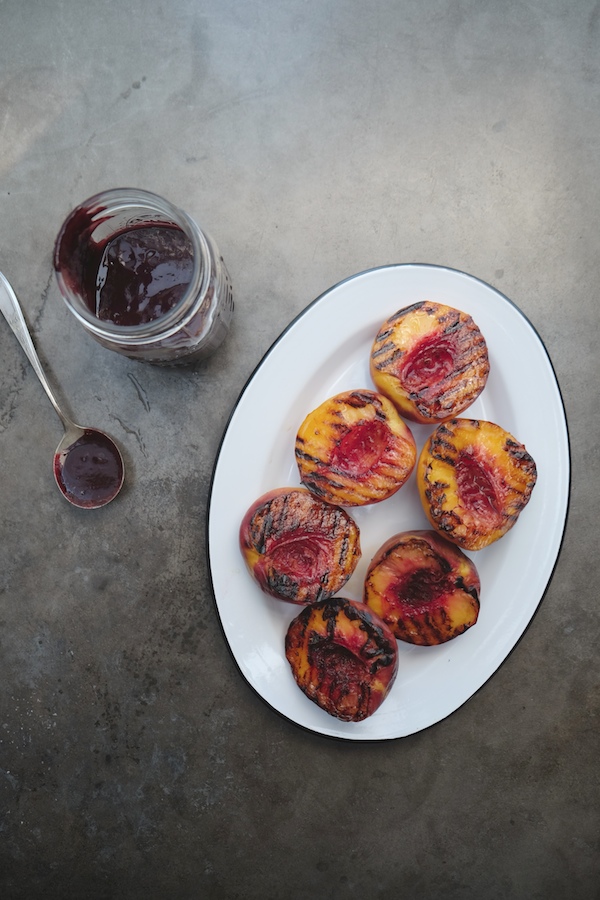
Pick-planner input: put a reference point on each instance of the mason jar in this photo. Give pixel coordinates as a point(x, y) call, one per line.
point(143, 278)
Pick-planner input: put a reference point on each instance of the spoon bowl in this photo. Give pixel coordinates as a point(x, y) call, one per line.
point(88, 466)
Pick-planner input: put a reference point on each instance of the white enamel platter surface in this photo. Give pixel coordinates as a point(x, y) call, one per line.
point(326, 350)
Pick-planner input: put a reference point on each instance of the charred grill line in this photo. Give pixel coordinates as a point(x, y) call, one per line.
point(321, 593)
point(433, 399)
point(441, 438)
point(315, 488)
point(473, 592)
point(408, 309)
point(260, 535)
point(331, 609)
point(382, 343)
point(392, 357)
point(448, 523)
point(519, 453)
point(324, 478)
point(430, 629)
point(445, 395)
point(343, 550)
point(359, 399)
point(453, 378)
point(383, 333)
point(444, 430)
point(450, 460)
point(455, 326)
point(281, 583)
point(308, 457)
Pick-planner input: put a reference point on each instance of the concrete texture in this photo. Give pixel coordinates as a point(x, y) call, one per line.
point(313, 139)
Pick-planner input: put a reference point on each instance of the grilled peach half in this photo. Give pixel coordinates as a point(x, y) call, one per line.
point(474, 480)
point(431, 360)
point(343, 657)
point(423, 587)
point(354, 449)
point(297, 547)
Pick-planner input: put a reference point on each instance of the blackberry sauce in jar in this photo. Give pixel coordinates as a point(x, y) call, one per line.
point(143, 279)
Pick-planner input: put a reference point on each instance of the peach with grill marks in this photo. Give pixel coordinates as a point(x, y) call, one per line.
point(343, 657)
point(354, 449)
point(425, 588)
point(297, 547)
point(431, 360)
point(474, 481)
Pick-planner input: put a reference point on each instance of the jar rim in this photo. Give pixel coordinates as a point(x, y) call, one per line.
point(100, 206)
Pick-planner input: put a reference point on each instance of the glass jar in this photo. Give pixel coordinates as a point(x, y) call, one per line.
point(142, 278)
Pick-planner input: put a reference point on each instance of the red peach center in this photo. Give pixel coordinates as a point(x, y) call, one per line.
point(475, 487)
point(422, 588)
point(430, 362)
point(300, 555)
point(361, 448)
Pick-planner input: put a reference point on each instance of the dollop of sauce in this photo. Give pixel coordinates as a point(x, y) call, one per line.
point(90, 472)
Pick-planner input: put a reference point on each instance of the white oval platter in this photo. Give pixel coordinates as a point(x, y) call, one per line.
point(326, 350)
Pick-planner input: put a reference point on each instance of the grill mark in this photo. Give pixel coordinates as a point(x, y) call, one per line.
point(352, 487)
point(358, 399)
point(444, 389)
point(324, 478)
point(393, 355)
point(430, 629)
point(449, 460)
point(455, 326)
point(442, 442)
point(408, 309)
point(462, 365)
point(308, 457)
point(472, 591)
point(261, 531)
point(518, 452)
point(343, 550)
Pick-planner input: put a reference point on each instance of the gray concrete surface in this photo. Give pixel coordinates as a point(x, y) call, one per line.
point(314, 139)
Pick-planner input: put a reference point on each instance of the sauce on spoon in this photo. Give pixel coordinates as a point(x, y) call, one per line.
point(90, 471)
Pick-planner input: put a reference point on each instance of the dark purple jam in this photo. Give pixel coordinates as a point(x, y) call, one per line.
point(91, 472)
point(133, 277)
point(141, 275)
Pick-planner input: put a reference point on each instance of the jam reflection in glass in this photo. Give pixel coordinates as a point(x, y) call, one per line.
point(90, 472)
point(142, 278)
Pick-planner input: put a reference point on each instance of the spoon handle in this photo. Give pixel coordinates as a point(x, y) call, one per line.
point(11, 310)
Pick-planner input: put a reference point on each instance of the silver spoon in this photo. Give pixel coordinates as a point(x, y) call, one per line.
point(88, 466)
